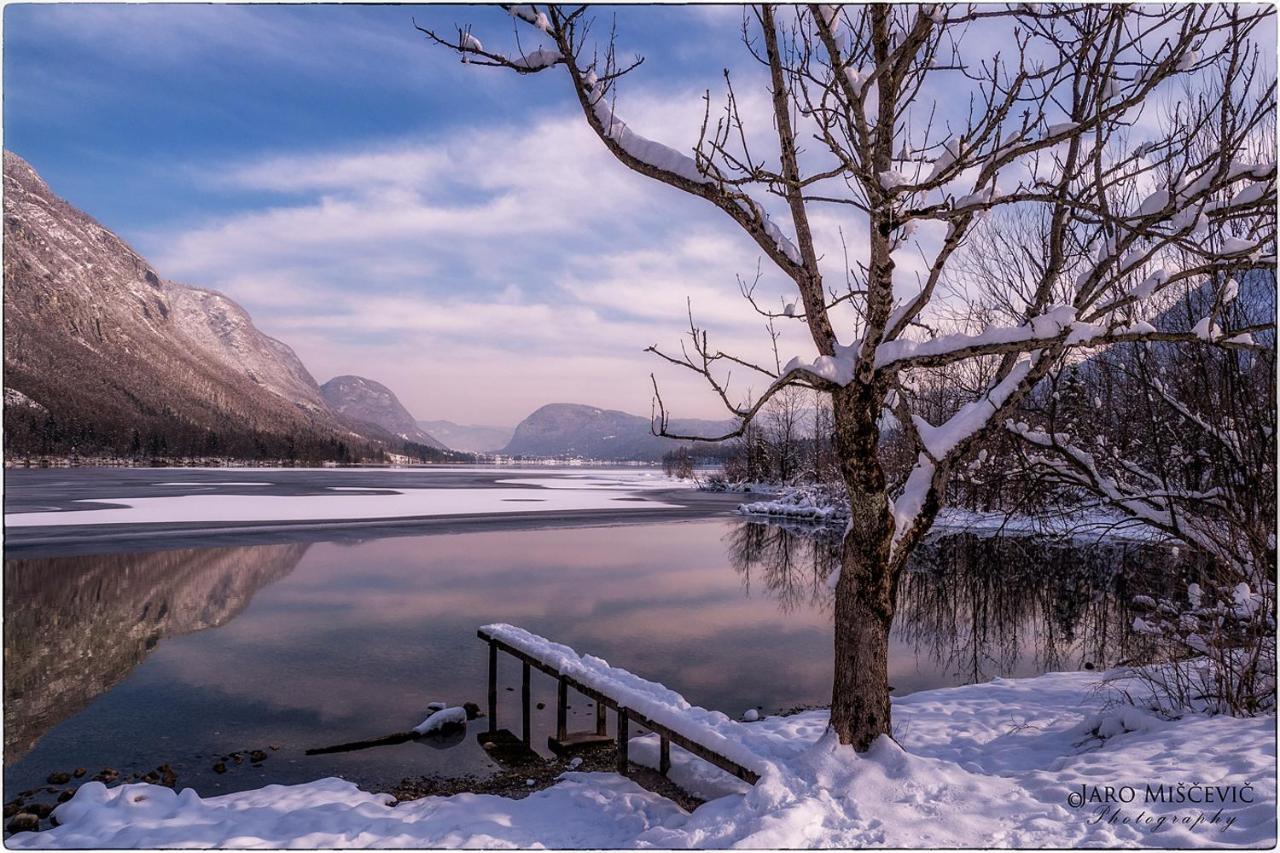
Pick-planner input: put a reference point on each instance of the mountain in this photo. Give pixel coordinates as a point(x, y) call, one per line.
point(103, 355)
point(362, 400)
point(225, 333)
point(569, 429)
point(468, 437)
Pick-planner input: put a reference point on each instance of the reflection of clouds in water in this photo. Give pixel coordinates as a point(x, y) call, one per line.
point(655, 598)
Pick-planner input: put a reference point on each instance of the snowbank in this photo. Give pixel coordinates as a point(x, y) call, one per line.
point(1010, 763)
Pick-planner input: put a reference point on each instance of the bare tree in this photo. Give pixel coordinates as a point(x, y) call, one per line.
point(784, 420)
point(1053, 96)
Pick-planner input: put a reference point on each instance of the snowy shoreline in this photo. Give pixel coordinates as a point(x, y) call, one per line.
point(805, 506)
point(1010, 763)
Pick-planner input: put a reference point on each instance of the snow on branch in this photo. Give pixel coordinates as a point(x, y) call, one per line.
point(1141, 494)
point(939, 441)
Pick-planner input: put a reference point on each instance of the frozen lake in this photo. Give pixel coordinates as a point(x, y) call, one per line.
point(138, 654)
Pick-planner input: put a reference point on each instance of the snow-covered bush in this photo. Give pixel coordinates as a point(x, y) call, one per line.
point(1215, 653)
point(820, 502)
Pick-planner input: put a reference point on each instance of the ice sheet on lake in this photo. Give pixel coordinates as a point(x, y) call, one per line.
point(398, 503)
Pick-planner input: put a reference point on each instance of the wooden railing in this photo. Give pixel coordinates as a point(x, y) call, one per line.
point(625, 715)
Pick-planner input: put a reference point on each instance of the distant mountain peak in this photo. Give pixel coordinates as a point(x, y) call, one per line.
point(360, 399)
point(577, 429)
point(469, 438)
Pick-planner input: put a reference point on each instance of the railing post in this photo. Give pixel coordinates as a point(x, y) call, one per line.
point(601, 722)
point(493, 687)
point(623, 725)
point(524, 701)
point(562, 709)
point(664, 754)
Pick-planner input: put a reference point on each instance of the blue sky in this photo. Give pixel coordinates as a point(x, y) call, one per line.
point(364, 194)
point(453, 231)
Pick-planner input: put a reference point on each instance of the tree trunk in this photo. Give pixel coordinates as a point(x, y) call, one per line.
point(865, 592)
point(860, 693)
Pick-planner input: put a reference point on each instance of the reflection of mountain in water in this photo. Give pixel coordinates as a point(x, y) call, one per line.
point(76, 626)
point(979, 605)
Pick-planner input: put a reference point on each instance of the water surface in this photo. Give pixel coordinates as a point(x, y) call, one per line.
point(182, 656)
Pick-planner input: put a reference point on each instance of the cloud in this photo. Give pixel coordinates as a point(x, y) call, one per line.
point(516, 258)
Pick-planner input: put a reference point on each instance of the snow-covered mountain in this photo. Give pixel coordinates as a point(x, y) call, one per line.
point(225, 332)
point(569, 429)
point(471, 438)
point(104, 355)
point(362, 400)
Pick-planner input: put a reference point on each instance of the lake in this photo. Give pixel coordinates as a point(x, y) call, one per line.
point(133, 659)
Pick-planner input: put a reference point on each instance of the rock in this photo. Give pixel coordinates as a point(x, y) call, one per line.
point(273, 747)
point(40, 809)
point(258, 756)
point(23, 822)
point(108, 775)
point(168, 777)
point(472, 709)
point(219, 768)
point(750, 715)
point(489, 745)
point(66, 795)
point(80, 771)
point(10, 809)
point(59, 778)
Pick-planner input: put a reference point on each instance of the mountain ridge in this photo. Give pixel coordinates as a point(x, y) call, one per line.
point(364, 400)
point(104, 356)
point(576, 429)
point(469, 438)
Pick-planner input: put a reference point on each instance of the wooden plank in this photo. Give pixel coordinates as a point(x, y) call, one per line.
point(526, 720)
point(664, 754)
point(562, 708)
point(493, 686)
point(507, 749)
point(623, 737)
point(575, 742)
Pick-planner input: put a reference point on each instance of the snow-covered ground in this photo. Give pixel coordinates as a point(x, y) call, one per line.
point(579, 491)
point(1012, 763)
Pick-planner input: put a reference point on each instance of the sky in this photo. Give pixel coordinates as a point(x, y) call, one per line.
point(452, 231)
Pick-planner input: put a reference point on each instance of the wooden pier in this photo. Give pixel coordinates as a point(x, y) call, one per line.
point(565, 741)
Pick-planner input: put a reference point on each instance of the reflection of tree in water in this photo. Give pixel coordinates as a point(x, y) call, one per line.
point(979, 604)
point(794, 562)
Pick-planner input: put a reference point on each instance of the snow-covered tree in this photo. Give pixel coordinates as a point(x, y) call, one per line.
point(919, 127)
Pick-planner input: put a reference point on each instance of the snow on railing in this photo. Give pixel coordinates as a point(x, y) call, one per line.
point(710, 729)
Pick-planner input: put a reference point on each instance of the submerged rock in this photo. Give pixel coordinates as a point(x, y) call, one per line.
point(23, 822)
